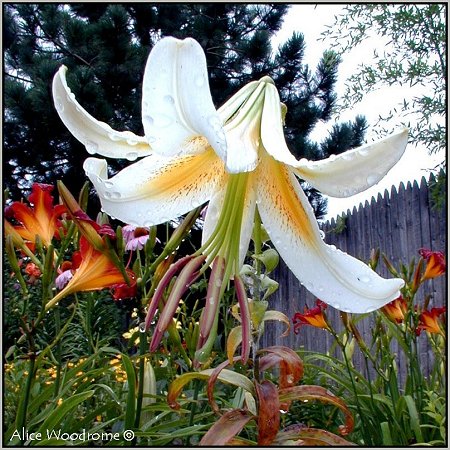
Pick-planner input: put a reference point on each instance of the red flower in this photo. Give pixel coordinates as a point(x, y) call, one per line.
point(435, 263)
point(41, 219)
point(33, 270)
point(396, 310)
point(429, 321)
point(96, 271)
point(313, 316)
point(123, 290)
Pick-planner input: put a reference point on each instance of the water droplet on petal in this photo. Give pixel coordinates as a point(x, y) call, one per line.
point(200, 80)
point(169, 99)
point(91, 147)
point(109, 184)
point(149, 119)
point(347, 156)
point(59, 104)
point(322, 234)
point(131, 156)
point(372, 179)
point(116, 194)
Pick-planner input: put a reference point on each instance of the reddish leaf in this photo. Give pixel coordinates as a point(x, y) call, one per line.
point(269, 412)
point(226, 376)
point(309, 437)
point(212, 381)
point(307, 393)
point(291, 366)
point(227, 427)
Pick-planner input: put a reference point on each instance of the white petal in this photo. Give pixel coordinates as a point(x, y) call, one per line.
point(355, 170)
point(330, 274)
point(157, 188)
point(272, 134)
point(215, 208)
point(98, 137)
point(243, 132)
point(176, 100)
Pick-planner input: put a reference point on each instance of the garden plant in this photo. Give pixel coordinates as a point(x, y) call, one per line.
point(190, 369)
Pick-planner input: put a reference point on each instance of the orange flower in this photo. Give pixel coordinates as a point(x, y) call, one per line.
point(41, 219)
point(435, 263)
point(429, 321)
point(396, 310)
point(96, 271)
point(313, 316)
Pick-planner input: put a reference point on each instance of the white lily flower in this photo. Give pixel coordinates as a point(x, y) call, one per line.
point(237, 159)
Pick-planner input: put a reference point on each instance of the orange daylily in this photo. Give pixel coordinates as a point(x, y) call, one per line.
point(96, 271)
point(396, 310)
point(313, 316)
point(435, 263)
point(429, 321)
point(41, 219)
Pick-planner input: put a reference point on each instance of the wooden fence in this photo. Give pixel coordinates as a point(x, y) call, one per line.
point(398, 223)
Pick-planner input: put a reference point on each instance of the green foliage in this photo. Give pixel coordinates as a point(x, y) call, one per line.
point(391, 409)
point(415, 55)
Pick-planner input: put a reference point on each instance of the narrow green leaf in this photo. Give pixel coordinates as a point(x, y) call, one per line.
point(57, 416)
point(131, 397)
point(386, 432)
point(414, 418)
point(226, 376)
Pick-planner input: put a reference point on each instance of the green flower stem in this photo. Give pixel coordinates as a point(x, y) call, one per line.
point(57, 317)
point(174, 336)
point(367, 436)
point(142, 351)
point(258, 248)
point(177, 236)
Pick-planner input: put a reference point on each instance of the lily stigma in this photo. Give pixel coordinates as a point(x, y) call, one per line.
point(235, 158)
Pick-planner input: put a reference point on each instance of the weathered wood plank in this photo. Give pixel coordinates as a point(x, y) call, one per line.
point(398, 222)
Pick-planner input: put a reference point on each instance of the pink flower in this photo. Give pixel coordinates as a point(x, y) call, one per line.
point(135, 237)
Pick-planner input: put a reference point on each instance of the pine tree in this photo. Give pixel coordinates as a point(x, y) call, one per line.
point(105, 47)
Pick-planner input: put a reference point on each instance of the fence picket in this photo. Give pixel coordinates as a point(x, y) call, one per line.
point(398, 222)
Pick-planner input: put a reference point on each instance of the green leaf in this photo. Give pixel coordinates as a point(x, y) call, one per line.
point(414, 418)
point(269, 258)
point(131, 397)
point(386, 432)
point(226, 376)
point(57, 416)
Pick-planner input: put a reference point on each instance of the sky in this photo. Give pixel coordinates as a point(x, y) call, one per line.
point(311, 20)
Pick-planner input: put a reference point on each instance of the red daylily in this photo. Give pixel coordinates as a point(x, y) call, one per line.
point(429, 321)
point(396, 310)
point(313, 317)
point(41, 219)
point(96, 271)
point(124, 290)
point(436, 264)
